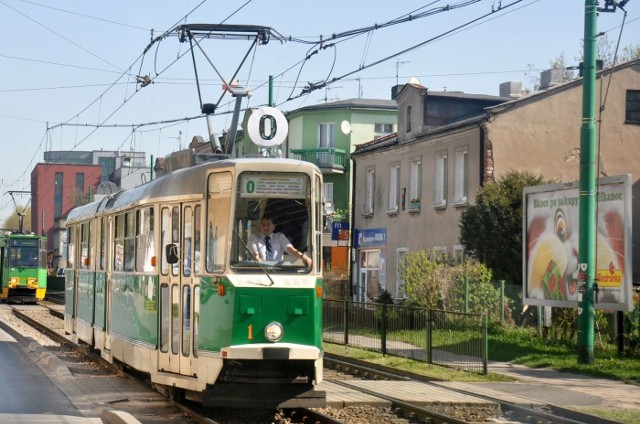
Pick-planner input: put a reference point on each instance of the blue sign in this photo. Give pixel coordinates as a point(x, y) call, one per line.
point(371, 237)
point(339, 230)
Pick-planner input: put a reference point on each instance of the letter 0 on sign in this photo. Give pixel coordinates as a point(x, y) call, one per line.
point(262, 130)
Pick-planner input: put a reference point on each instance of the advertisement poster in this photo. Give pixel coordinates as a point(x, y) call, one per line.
point(550, 243)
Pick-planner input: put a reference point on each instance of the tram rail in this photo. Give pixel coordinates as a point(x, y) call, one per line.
point(510, 411)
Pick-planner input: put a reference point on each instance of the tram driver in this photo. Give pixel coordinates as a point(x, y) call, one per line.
point(269, 246)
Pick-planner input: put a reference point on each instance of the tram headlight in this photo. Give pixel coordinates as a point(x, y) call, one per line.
point(14, 281)
point(273, 331)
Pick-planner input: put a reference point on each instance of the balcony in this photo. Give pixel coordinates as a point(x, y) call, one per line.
point(329, 159)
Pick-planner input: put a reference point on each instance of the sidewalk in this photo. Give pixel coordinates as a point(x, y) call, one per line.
point(567, 390)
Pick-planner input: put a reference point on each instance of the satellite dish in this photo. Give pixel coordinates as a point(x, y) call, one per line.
point(415, 81)
point(345, 127)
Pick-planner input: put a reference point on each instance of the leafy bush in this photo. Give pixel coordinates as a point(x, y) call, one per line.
point(438, 284)
point(424, 279)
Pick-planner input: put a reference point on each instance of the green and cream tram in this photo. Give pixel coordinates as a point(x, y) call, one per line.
point(161, 278)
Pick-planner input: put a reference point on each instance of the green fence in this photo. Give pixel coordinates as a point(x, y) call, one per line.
point(445, 338)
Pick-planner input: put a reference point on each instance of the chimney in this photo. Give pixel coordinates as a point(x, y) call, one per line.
point(550, 77)
point(512, 89)
point(395, 90)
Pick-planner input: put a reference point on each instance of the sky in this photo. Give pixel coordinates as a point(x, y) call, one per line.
point(68, 68)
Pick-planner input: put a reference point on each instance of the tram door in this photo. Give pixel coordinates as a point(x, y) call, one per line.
point(190, 267)
point(72, 264)
point(104, 259)
point(176, 287)
point(169, 337)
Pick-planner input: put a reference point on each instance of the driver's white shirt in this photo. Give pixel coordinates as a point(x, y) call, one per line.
point(279, 244)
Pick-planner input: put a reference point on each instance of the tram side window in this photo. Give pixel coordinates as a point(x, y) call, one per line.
point(219, 204)
point(71, 247)
point(164, 318)
point(164, 230)
point(129, 241)
point(187, 245)
point(196, 239)
point(175, 236)
point(102, 244)
point(42, 261)
point(145, 248)
point(175, 319)
point(186, 320)
point(118, 251)
point(317, 260)
point(84, 246)
point(196, 319)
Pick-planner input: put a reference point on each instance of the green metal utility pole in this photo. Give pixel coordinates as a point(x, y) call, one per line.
point(271, 103)
point(587, 205)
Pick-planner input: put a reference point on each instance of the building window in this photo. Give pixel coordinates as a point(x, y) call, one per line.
point(440, 200)
point(108, 166)
point(394, 187)
point(79, 188)
point(368, 286)
point(462, 176)
point(415, 184)
point(632, 115)
point(401, 254)
point(369, 192)
point(408, 118)
point(458, 253)
point(328, 192)
point(326, 135)
point(439, 253)
point(57, 195)
point(380, 130)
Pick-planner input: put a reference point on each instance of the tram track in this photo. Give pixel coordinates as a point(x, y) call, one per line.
point(411, 412)
point(188, 412)
point(511, 412)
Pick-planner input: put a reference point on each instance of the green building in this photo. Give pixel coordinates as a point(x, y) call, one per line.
point(326, 134)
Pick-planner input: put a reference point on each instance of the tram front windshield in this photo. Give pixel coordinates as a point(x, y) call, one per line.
point(23, 257)
point(277, 206)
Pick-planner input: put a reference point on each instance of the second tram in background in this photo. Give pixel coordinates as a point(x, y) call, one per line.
point(161, 278)
point(23, 270)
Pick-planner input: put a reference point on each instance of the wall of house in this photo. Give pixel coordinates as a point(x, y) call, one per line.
point(413, 98)
point(544, 137)
point(43, 193)
point(430, 226)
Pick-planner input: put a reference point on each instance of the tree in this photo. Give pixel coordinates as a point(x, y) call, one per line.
point(606, 53)
point(491, 230)
point(12, 222)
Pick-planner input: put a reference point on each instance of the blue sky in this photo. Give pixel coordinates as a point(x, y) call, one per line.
point(67, 62)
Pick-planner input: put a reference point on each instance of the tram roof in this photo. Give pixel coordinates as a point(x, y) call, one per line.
point(180, 183)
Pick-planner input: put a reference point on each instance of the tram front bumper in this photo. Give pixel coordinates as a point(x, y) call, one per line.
point(260, 351)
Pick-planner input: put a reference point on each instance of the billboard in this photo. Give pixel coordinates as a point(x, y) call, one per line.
point(550, 244)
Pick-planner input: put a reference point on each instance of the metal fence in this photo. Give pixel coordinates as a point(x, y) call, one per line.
point(445, 338)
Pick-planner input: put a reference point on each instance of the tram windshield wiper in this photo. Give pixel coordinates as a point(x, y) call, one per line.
point(253, 260)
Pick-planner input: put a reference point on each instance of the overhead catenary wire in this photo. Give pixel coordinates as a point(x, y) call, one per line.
point(128, 73)
point(94, 101)
point(60, 35)
point(313, 87)
point(84, 15)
